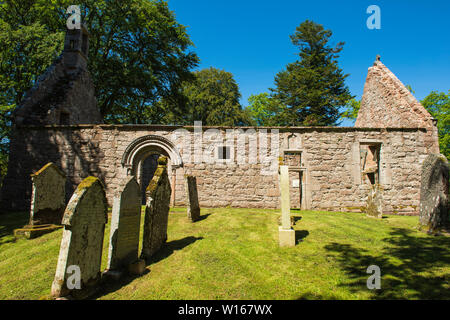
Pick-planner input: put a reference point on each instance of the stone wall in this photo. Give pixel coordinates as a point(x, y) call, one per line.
point(330, 163)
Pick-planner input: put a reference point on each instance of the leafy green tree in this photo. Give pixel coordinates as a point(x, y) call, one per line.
point(264, 109)
point(138, 52)
point(438, 104)
point(213, 98)
point(351, 109)
point(313, 88)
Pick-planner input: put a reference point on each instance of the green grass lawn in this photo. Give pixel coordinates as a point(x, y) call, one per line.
point(234, 254)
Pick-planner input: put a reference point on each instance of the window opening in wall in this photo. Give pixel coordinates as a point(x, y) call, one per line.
point(370, 163)
point(224, 153)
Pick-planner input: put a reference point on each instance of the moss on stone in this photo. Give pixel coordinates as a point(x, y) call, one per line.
point(86, 183)
point(48, 165)
point(162, 167)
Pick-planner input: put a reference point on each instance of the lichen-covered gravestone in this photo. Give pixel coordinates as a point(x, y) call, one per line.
point(125, 226)
point(374, 208)
point(156, 211)
point(80, 254)
point(193, 208)
point(48, 201)
point(434, 200)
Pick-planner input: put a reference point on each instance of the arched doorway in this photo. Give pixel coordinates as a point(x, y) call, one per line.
point(140, 160)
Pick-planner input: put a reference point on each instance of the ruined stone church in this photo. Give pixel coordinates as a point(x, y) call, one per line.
point(331, 168)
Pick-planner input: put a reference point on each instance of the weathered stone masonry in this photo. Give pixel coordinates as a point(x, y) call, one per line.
point(330, 165)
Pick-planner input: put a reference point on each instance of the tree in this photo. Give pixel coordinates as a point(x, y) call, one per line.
point(438, 104)
point(352, 109)
point(213, 98)
point(138, 55)
point(138, 51)
point(264, 110)
point(313, 88)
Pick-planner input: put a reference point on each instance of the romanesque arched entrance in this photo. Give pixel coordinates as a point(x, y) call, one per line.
point(140, 160)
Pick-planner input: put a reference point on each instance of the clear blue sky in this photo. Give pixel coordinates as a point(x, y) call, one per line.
point(250, 38)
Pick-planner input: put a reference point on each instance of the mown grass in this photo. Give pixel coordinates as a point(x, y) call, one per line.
point(234, 254)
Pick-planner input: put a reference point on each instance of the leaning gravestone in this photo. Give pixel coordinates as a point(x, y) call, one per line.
point(434, 200)
point(156, 211)
point(80, 254)
point(193, 208)
point(125, 226)
point(374, 208)
point(48, 201)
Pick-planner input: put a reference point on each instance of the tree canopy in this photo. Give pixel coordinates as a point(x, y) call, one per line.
point(438, 104)
point(264, 110)
point(313, 88)
point(138, 52)
point(213, 98)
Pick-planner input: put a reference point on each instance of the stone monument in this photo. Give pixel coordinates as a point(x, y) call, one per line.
point(125, 228)
point(48, 201)
point(434, 200)
point(374, 208)
point(156, 211)
point(286, 233)
point(80, 255)
point(193, 208)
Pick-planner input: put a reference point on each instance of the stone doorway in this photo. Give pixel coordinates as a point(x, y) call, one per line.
point(141, 156)
point(296, 179)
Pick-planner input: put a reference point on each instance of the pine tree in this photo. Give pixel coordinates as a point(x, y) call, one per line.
point(313, 88)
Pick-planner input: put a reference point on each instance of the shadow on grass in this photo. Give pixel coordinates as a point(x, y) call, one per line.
point(9, 222)
point(203, 217)
point(407, 266)
point(300, 235)
point(168, 249)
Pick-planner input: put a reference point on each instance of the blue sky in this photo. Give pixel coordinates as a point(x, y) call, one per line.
point(250, 39)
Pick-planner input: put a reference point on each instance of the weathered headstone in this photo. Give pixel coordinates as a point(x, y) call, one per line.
point(156, 211)
point(193, 208)
point(80, 254)
point(48, 201)
point(286, 233)
point(125, 226)
point(374, 208)
point(434, 191)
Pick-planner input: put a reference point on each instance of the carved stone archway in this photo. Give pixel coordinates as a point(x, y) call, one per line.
point(143, 147)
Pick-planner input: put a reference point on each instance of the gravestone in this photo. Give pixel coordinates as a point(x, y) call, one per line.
point(80, 253)
point(48, 201)
point(286, 233)
point(193, 208)
point(125, 226)
point(374, 208)
point(156, 211)
point(434, 190)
